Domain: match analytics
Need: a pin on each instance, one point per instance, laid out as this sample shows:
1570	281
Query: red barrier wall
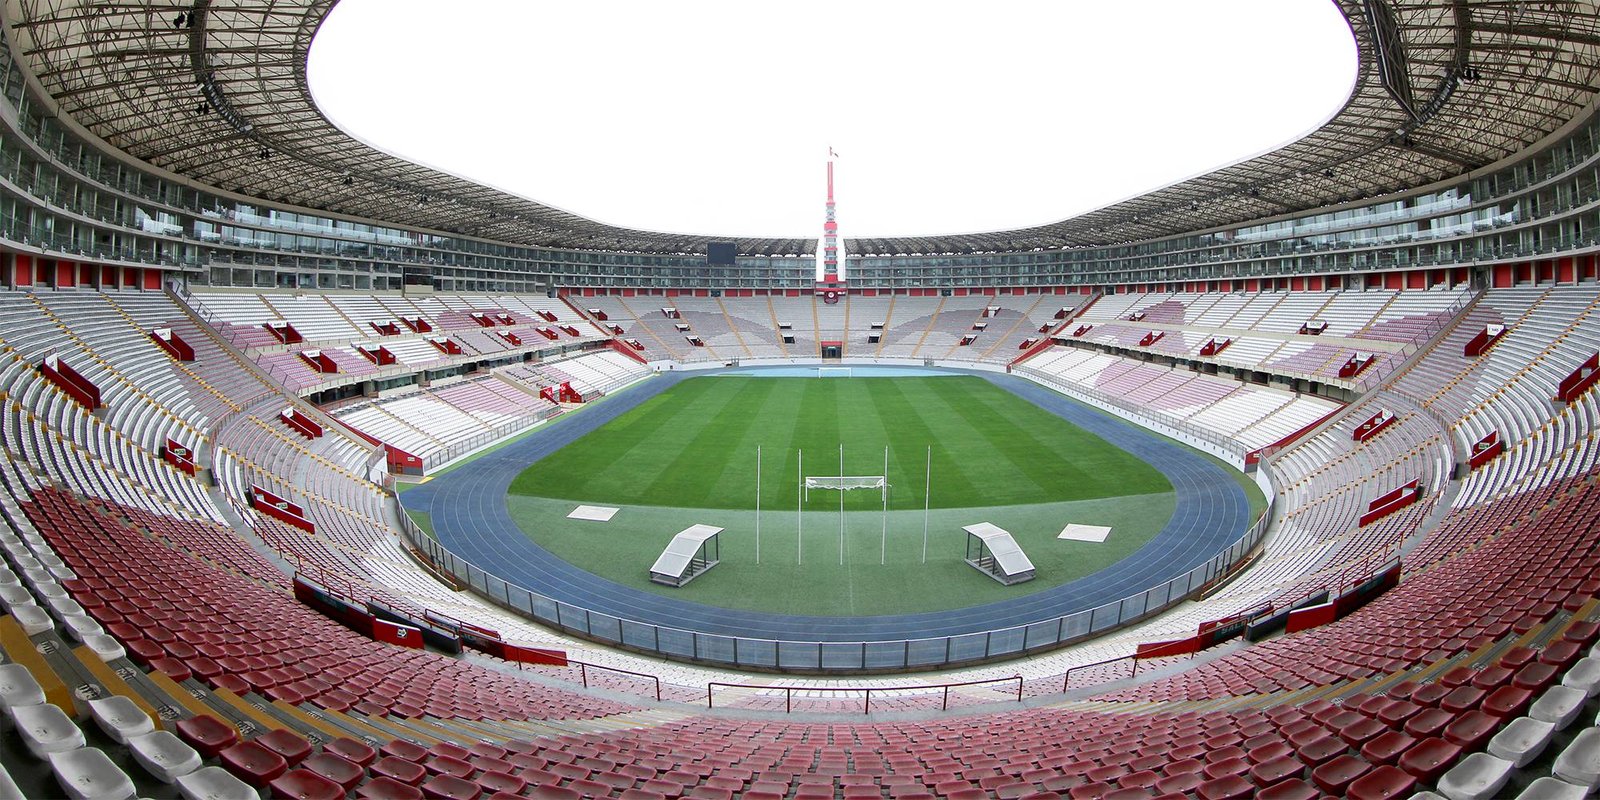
1301	619
392	633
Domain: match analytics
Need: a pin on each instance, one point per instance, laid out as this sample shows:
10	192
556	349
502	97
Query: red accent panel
627	350
1484	450
152	279
24	270
1373	426
511	338
1484	340
1581	379
1314	616
1151	338
108	277
280	509
1355	364
534	655
170	341
1393	501
130	276
320	362
446	345
302	424
1174	647
71	381
1502	277
571	331
65	275
379	354
482	320
178	456
1214	346
283	332
547	332
1416	279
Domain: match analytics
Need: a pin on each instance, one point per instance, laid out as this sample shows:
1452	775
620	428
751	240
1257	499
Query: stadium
328	474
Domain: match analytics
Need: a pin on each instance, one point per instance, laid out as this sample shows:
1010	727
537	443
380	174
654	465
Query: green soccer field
696	447
688	456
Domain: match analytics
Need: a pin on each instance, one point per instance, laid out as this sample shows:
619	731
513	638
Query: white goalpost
833	372
846	483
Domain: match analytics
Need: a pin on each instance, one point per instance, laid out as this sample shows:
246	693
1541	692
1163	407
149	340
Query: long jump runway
469	514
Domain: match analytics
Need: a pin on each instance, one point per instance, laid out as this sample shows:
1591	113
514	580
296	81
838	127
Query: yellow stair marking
180	695
20	648
113	682
262	719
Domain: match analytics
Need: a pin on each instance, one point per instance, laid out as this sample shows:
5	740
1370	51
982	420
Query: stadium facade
1431	549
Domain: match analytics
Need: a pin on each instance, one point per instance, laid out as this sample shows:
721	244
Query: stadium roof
217	92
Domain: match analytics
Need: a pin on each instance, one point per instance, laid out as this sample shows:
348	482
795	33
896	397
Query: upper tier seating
1265	328
336	324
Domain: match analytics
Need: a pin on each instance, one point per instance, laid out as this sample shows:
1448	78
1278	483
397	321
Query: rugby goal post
846	483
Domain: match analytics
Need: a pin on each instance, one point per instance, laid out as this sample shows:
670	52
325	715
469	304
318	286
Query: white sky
712	117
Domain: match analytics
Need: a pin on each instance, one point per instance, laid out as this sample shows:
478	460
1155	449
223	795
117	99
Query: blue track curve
469	514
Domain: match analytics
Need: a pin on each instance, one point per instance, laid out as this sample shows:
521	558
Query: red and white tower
830	231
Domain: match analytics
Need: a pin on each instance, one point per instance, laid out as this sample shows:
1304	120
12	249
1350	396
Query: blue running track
470	517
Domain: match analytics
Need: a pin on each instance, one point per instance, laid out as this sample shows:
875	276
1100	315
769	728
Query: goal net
833	372
846	483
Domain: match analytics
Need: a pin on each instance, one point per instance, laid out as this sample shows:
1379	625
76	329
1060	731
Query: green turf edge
695	445
424	522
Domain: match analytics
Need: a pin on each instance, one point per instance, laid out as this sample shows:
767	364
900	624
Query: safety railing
816	657
920	692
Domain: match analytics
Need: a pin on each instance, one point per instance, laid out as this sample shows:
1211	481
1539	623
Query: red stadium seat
207	734
285	743
336	769
409	773
253	763
300	784
382	788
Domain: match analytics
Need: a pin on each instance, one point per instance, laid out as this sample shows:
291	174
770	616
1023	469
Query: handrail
865	691
1066	677
584	667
